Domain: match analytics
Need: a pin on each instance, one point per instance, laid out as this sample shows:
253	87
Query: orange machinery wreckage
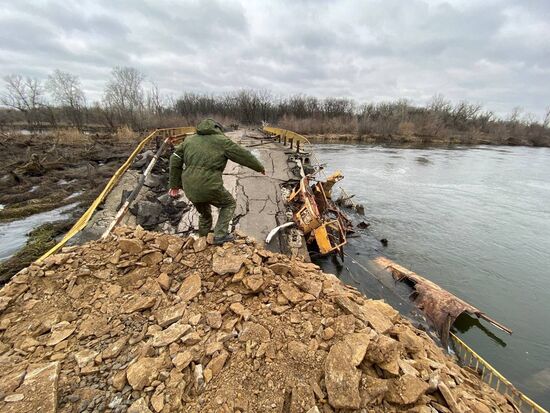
315	213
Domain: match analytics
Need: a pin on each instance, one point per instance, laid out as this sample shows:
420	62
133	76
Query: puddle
13	235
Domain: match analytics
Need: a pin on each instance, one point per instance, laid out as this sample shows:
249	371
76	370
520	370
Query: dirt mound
147	322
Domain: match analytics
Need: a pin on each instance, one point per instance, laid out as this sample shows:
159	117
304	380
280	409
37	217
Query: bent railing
469	358
85	218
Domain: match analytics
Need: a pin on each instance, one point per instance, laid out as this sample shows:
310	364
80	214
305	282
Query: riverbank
46	172
413	141
174	324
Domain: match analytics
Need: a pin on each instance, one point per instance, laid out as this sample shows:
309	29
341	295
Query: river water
14	234
474	220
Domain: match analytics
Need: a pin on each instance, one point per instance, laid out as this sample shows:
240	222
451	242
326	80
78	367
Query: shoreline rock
241	329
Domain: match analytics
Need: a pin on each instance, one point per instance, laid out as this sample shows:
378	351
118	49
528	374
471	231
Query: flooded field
46	180
476	221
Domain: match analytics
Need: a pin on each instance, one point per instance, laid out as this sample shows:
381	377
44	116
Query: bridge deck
260	202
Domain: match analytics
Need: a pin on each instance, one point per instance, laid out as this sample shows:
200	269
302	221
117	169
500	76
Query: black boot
224	239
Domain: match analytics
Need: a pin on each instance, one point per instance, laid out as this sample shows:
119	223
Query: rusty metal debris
440	306
317	216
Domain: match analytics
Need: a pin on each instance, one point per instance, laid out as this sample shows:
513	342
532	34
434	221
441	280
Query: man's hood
208	127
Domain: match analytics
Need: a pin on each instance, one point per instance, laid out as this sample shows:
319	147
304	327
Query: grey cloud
493	52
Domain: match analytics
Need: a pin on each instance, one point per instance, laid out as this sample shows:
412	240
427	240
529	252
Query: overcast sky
493	52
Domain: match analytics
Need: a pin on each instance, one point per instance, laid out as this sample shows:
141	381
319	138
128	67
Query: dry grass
71	136
125	133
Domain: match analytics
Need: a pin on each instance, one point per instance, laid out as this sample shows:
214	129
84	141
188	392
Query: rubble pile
147	322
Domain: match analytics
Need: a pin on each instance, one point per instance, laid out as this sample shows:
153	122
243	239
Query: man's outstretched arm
242	156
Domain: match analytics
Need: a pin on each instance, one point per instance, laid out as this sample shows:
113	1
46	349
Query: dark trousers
226	205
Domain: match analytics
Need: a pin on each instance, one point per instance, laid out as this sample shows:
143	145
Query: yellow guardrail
288	136
85	218
493	378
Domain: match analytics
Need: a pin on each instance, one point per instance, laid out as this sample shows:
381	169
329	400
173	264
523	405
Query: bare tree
24	95
546	120
124	95
68	94
154	100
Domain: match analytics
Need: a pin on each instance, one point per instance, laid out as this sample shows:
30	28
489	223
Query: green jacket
205	156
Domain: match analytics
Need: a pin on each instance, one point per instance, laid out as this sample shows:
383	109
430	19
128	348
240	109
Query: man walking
205	156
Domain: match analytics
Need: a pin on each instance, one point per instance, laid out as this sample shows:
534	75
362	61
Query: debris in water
363	225
440	306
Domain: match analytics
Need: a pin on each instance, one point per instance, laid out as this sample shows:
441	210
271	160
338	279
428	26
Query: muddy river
476	221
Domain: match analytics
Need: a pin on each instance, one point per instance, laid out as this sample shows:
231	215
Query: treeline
128	100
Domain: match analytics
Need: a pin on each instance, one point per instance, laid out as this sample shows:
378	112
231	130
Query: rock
227	261
371	315
153	180
114	349
291	293
406	389
119	380
280	268
373	389
213	347
11	381
83	357
190	287
60	332
175	246
148	214
297	350
157	402
130	245
449	398
152	258
170	334
328	333
168	315
182	360
309	286
384	351
17	397
240	310
38	390
255	332
214	319
139	406
200	244
94	325
216	364
27	344
195	319
341	374
254	283
302	399
144	371
139	302
164	281
191	339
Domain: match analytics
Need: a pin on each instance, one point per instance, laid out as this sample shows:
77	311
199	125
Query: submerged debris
144	322
439	305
